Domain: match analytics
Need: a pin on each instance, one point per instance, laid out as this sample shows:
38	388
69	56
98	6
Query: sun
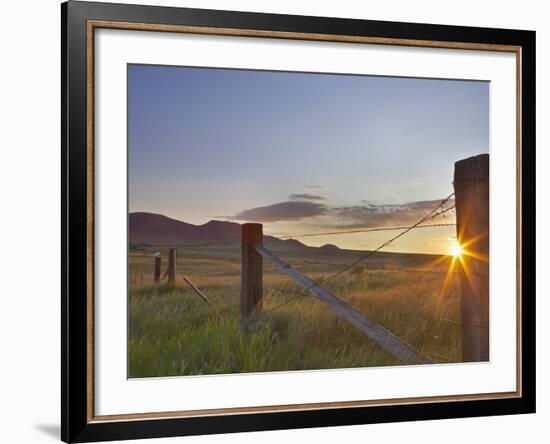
456	249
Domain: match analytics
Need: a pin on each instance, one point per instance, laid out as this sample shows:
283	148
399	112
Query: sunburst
456	249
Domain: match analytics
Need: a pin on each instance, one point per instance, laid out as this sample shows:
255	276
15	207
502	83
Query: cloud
314	187
365	215
291	210
375	215
305	196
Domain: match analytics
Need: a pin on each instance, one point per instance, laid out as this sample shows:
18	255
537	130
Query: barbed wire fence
471	172
288	291
293	295
434	213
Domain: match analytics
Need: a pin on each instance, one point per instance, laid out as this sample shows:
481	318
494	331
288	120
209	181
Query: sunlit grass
172	332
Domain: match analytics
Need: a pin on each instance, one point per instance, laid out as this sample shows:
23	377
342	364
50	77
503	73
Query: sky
302	152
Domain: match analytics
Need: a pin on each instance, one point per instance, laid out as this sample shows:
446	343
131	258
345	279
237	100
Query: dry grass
172	332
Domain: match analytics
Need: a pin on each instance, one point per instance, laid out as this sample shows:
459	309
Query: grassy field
173	332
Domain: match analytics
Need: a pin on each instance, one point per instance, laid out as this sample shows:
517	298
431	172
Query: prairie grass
173	332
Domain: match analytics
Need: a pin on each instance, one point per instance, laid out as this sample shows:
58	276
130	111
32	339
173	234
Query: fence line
434	213
389	241
386	339
431	215
366	230
252	273
374	229
474	298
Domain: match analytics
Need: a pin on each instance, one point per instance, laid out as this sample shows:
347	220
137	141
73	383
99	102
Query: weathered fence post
471	184
158	263
251	270
172	258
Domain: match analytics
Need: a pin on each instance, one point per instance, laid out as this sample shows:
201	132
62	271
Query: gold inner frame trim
97	24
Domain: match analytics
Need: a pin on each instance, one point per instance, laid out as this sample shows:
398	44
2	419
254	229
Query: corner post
471	184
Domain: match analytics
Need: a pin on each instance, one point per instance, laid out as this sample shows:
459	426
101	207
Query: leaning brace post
471	184
251	270
172	257
384	338
158	264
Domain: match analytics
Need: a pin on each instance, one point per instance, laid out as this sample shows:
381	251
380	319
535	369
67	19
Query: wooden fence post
251	270
172	258
471	184
158	263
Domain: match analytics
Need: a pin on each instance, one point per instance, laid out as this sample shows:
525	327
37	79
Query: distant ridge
157	229
146	230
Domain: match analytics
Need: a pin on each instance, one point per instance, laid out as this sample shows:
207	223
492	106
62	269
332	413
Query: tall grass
173	332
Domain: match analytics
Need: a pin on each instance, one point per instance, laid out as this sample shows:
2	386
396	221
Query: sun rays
456	249
462	259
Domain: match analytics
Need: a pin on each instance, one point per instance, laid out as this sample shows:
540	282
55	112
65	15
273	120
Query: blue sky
237	144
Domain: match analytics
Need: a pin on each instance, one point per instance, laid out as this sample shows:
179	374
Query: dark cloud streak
367	215
292	210
374	215
305	196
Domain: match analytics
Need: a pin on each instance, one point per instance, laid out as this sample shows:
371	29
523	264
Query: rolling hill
154	232
156	229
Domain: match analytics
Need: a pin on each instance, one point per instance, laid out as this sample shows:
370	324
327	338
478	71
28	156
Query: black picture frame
76	425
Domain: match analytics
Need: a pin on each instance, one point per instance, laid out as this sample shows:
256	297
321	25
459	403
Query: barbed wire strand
389	241
429	216
432	214
365	230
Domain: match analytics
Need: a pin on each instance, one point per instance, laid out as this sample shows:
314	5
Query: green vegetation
173	332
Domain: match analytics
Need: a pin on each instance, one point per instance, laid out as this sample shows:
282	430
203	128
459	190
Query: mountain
223	239
150	228
156	229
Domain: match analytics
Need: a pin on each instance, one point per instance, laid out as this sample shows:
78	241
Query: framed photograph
275	221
